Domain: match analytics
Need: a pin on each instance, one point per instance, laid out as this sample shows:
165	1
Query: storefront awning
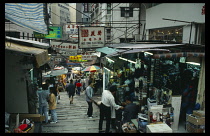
180	54
146	46
41	55
107	50
135	51
34	43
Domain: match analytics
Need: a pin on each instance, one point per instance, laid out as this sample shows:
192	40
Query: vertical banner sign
91	37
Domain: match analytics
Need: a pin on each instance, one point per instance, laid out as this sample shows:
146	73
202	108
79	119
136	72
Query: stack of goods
129	128
158	128
196	122
25	126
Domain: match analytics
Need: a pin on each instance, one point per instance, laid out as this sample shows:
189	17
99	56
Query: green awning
107	50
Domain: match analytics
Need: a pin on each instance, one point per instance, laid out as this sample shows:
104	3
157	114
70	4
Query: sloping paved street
72	118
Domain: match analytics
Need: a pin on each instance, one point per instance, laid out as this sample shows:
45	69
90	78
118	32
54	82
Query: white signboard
72	29
64	46
91	37
67	53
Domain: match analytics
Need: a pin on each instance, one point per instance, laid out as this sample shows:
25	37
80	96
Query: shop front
167	87
22	77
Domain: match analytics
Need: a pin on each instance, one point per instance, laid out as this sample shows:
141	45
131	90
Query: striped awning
29	15
180	54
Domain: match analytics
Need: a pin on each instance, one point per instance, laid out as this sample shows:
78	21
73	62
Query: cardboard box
132	131
199	113
195	120
34	117
192	129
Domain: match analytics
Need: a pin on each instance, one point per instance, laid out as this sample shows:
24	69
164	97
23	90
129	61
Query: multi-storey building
60	15
120	21
180	22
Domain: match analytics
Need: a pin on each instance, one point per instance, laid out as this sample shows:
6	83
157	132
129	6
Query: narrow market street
72	118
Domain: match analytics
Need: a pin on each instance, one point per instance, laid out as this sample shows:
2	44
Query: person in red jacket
78	85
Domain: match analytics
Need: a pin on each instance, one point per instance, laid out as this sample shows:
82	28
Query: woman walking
52	104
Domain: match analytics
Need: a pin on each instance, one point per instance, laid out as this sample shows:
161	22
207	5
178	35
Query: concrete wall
120	32
72	13
178	11
15	89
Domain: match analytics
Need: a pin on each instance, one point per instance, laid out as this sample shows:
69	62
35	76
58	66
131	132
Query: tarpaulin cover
29	15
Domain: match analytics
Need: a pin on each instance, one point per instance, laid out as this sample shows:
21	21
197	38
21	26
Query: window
126	12
153	4
108	31
86	7
167	34
108	8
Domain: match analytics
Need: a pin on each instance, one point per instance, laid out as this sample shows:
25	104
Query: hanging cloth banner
29	15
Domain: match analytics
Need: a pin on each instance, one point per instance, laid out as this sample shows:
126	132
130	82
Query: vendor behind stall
130	110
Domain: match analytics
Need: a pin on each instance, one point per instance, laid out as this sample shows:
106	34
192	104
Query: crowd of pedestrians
48	97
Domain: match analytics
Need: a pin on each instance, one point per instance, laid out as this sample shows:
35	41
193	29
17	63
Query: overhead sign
91	37
78	57
64	46
67	53
55	32
72	29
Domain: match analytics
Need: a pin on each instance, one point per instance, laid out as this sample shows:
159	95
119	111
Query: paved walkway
72	118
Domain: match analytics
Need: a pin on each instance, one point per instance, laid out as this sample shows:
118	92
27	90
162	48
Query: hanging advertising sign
55	32
91	37
64	46
72	29
78	57
67	53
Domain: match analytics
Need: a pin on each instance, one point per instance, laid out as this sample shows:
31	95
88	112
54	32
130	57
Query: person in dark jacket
130	110
71	91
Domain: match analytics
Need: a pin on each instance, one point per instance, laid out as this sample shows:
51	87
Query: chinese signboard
72	29
67	53
64	46
91	37
88	56
55	32
77	58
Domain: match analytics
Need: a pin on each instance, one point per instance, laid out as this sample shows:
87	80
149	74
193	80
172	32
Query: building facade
183	22
120	21
60	16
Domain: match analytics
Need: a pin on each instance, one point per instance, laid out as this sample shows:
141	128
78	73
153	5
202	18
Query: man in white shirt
107	100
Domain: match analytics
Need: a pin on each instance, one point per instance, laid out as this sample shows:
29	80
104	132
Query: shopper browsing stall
130	110
107	100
